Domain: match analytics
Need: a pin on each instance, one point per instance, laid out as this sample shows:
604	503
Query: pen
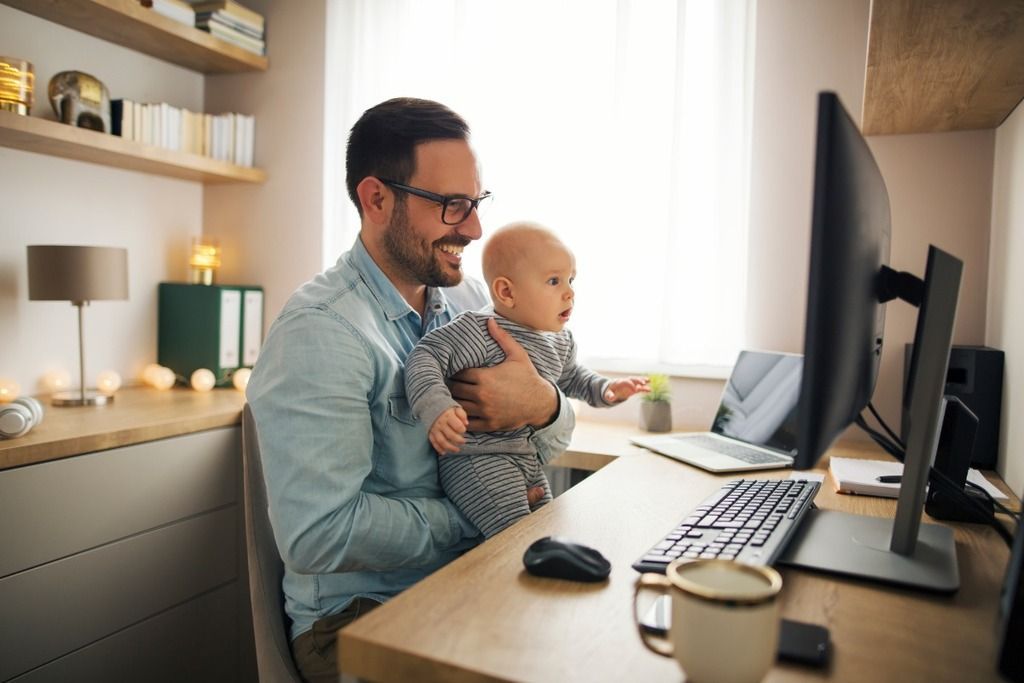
889	479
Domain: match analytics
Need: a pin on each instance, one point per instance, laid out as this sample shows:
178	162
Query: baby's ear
502	291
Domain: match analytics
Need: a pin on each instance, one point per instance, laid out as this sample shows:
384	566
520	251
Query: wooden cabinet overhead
942	65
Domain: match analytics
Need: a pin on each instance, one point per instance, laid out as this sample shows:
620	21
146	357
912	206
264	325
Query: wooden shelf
942	65
33	134
128	23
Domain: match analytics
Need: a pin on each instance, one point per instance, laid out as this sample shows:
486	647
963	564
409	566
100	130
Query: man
357	510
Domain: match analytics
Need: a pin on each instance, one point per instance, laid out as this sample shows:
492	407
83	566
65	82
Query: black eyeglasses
455	208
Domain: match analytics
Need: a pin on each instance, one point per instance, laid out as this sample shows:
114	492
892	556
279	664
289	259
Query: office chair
273	655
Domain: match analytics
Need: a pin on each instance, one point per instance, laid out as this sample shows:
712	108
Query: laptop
756	422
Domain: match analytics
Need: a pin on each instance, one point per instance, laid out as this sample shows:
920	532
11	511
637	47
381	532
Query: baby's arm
620	389
440	354
446	433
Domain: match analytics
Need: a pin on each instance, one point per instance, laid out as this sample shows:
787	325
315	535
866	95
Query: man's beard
415	256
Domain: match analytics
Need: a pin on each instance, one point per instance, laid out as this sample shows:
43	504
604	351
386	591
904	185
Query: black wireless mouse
560	558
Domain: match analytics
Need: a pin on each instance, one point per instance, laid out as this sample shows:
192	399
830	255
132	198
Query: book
178	10
853	475
234	37
122	118
230	7
203	20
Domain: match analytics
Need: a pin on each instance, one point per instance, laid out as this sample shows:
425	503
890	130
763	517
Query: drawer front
193	642
65	605
55	509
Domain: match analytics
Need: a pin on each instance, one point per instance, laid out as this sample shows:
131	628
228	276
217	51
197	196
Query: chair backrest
273	655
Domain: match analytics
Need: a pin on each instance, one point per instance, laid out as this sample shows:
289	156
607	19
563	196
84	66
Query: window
623	126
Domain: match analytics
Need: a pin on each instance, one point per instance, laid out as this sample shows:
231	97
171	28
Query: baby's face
543	287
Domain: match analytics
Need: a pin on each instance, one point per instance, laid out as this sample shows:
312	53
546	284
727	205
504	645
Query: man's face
417	242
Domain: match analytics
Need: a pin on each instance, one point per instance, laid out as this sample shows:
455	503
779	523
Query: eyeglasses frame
441	199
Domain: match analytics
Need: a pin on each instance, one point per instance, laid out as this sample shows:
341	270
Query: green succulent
661	390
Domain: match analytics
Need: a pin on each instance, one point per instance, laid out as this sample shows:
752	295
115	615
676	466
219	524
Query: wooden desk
482	618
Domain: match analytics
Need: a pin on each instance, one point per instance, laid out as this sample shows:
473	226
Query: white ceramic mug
725	619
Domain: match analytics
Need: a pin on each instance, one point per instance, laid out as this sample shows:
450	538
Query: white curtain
623	126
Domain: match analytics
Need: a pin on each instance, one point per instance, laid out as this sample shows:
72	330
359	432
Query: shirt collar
391	302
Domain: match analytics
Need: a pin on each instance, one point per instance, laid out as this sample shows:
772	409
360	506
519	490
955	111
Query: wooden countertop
136	415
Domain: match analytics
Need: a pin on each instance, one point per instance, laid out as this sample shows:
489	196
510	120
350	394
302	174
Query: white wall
940	191
272	234
47	200
1005	328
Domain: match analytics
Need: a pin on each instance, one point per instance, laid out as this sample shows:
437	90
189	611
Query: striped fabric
490	487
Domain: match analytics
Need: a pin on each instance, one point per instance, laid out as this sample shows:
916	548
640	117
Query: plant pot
656	416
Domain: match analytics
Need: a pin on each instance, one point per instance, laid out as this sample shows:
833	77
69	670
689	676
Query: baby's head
530	274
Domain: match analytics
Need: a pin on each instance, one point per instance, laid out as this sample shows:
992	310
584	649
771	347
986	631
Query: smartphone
798	641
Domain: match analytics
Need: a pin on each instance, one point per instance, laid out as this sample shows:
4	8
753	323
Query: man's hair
383	141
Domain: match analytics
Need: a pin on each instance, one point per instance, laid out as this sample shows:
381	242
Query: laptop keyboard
746	520
748	455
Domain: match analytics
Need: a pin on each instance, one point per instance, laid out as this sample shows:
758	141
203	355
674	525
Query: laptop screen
759	404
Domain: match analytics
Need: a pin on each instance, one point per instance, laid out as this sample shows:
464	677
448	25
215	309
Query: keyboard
734	450
747	520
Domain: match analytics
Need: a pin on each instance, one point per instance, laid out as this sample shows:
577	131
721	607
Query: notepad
852	475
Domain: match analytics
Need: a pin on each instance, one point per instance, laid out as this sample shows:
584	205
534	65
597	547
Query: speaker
975	376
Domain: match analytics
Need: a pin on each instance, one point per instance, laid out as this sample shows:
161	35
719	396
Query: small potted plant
656	407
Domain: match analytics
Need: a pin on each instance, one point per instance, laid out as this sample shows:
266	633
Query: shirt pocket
399	409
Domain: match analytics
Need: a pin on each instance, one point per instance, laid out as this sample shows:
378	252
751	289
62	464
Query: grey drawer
59	508
193	642
68	604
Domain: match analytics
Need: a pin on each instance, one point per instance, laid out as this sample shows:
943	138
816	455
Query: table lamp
79	275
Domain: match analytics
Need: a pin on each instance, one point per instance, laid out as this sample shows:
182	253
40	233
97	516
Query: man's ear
373	199
502	292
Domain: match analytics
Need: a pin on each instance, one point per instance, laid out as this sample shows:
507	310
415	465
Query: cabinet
127	23
942	65
126	564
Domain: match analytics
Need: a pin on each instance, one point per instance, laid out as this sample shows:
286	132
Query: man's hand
506	396
446	433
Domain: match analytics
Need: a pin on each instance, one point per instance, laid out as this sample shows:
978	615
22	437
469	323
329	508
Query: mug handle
659	584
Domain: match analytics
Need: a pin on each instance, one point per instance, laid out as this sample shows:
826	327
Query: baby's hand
446	433
621	389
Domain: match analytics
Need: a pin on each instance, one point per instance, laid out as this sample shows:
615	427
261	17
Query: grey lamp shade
72	273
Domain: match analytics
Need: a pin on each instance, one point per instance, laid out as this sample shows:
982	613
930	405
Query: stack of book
226	137
232	22
178	10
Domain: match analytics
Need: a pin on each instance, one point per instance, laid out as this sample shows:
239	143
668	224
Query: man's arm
511	395
310	394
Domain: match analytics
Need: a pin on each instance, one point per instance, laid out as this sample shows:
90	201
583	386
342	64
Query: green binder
218	327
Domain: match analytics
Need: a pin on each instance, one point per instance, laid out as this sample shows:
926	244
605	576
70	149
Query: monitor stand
901	551
859	546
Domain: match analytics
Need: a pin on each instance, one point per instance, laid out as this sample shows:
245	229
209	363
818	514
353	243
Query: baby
530	273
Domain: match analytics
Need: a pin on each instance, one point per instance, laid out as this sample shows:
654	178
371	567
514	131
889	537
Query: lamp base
74	398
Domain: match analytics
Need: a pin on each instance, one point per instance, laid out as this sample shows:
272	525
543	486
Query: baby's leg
489	489
536	477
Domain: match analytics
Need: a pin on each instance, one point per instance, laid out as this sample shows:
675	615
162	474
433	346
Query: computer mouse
560	558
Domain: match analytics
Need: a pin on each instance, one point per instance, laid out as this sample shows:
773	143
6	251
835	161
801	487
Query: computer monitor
848	286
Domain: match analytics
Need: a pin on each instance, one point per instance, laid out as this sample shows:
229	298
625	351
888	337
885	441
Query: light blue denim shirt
355	502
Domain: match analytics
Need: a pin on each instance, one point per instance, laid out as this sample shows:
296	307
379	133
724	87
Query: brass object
80	100
17	85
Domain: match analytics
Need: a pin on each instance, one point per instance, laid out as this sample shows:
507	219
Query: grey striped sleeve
580	382
441	353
